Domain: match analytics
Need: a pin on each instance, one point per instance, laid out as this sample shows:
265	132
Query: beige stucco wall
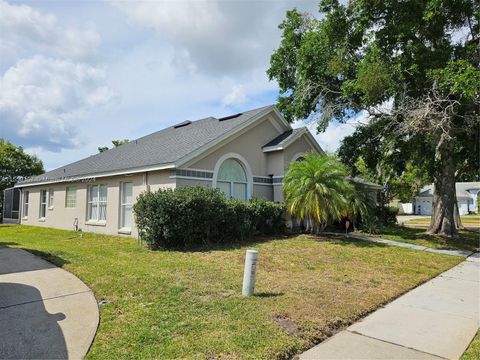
248	145
299	146
63	218
263	191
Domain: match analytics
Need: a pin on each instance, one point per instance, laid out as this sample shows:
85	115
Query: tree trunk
444	197
458	220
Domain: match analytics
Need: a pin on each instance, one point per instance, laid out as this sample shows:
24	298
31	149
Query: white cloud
236	96
26	30
332	137
217	37
41	98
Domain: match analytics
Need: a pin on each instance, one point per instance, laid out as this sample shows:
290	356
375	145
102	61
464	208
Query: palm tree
317	190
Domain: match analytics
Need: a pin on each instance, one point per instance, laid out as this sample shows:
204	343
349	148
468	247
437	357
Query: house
244	155
466	198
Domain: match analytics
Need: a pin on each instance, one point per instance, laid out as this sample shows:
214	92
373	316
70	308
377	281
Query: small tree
317	190
15	165
116	143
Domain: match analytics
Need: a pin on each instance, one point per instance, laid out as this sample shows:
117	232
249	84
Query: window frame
98	203
43	204
123	205
26	204
74	189
231	183
51	198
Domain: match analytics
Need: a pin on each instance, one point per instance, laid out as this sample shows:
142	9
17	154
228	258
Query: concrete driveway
45	312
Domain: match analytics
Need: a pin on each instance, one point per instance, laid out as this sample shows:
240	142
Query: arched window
232	179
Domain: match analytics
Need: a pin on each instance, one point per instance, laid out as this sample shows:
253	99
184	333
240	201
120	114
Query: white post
249	272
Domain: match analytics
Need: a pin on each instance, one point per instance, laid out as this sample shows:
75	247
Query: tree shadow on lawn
51	258
263	239
236	245
343	240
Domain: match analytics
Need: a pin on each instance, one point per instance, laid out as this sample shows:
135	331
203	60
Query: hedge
196	216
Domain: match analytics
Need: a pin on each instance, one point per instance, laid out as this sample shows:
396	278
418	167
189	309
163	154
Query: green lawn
473	351
172	304
467	240
467	220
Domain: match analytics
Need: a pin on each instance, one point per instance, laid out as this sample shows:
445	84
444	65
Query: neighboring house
243	155
467	193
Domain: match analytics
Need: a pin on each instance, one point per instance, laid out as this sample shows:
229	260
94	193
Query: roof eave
95	175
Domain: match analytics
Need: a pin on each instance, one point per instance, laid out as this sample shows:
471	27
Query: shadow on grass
51	258
268	294
250	242
7	244
341	239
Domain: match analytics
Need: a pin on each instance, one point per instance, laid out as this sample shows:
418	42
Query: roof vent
182	124
230	117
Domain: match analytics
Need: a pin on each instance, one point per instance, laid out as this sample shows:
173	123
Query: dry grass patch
188	305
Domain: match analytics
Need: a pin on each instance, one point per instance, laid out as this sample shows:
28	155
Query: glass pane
43	196
93	193
103	193
231	170
71	195
127	216
240	191
224	187
93	211
127	193
102	216
50	200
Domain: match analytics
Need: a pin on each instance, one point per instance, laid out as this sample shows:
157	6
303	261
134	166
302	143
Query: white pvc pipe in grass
249	272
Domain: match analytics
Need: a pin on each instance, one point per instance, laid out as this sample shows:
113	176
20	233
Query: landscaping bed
467	240
187	304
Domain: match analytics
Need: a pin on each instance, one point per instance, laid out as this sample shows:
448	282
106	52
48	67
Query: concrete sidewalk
436	320
406	245
45	312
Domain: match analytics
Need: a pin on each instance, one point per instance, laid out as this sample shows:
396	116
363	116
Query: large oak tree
412	65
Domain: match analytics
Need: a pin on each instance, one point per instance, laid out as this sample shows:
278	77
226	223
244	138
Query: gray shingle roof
283	138
160	148
461	188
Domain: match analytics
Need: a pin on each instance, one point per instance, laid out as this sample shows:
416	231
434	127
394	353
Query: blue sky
75	75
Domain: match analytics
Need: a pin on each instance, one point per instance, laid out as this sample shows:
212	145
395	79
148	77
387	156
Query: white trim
73	179
286	144
313	142
297	155
123	205
309	138
276	125
96	223
193	169
265	184
245	165
190	178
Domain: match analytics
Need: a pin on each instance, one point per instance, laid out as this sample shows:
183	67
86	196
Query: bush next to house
195	216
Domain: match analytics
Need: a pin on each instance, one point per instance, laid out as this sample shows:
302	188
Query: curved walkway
45	311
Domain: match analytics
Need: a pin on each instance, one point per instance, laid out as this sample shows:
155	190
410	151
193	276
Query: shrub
196	216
